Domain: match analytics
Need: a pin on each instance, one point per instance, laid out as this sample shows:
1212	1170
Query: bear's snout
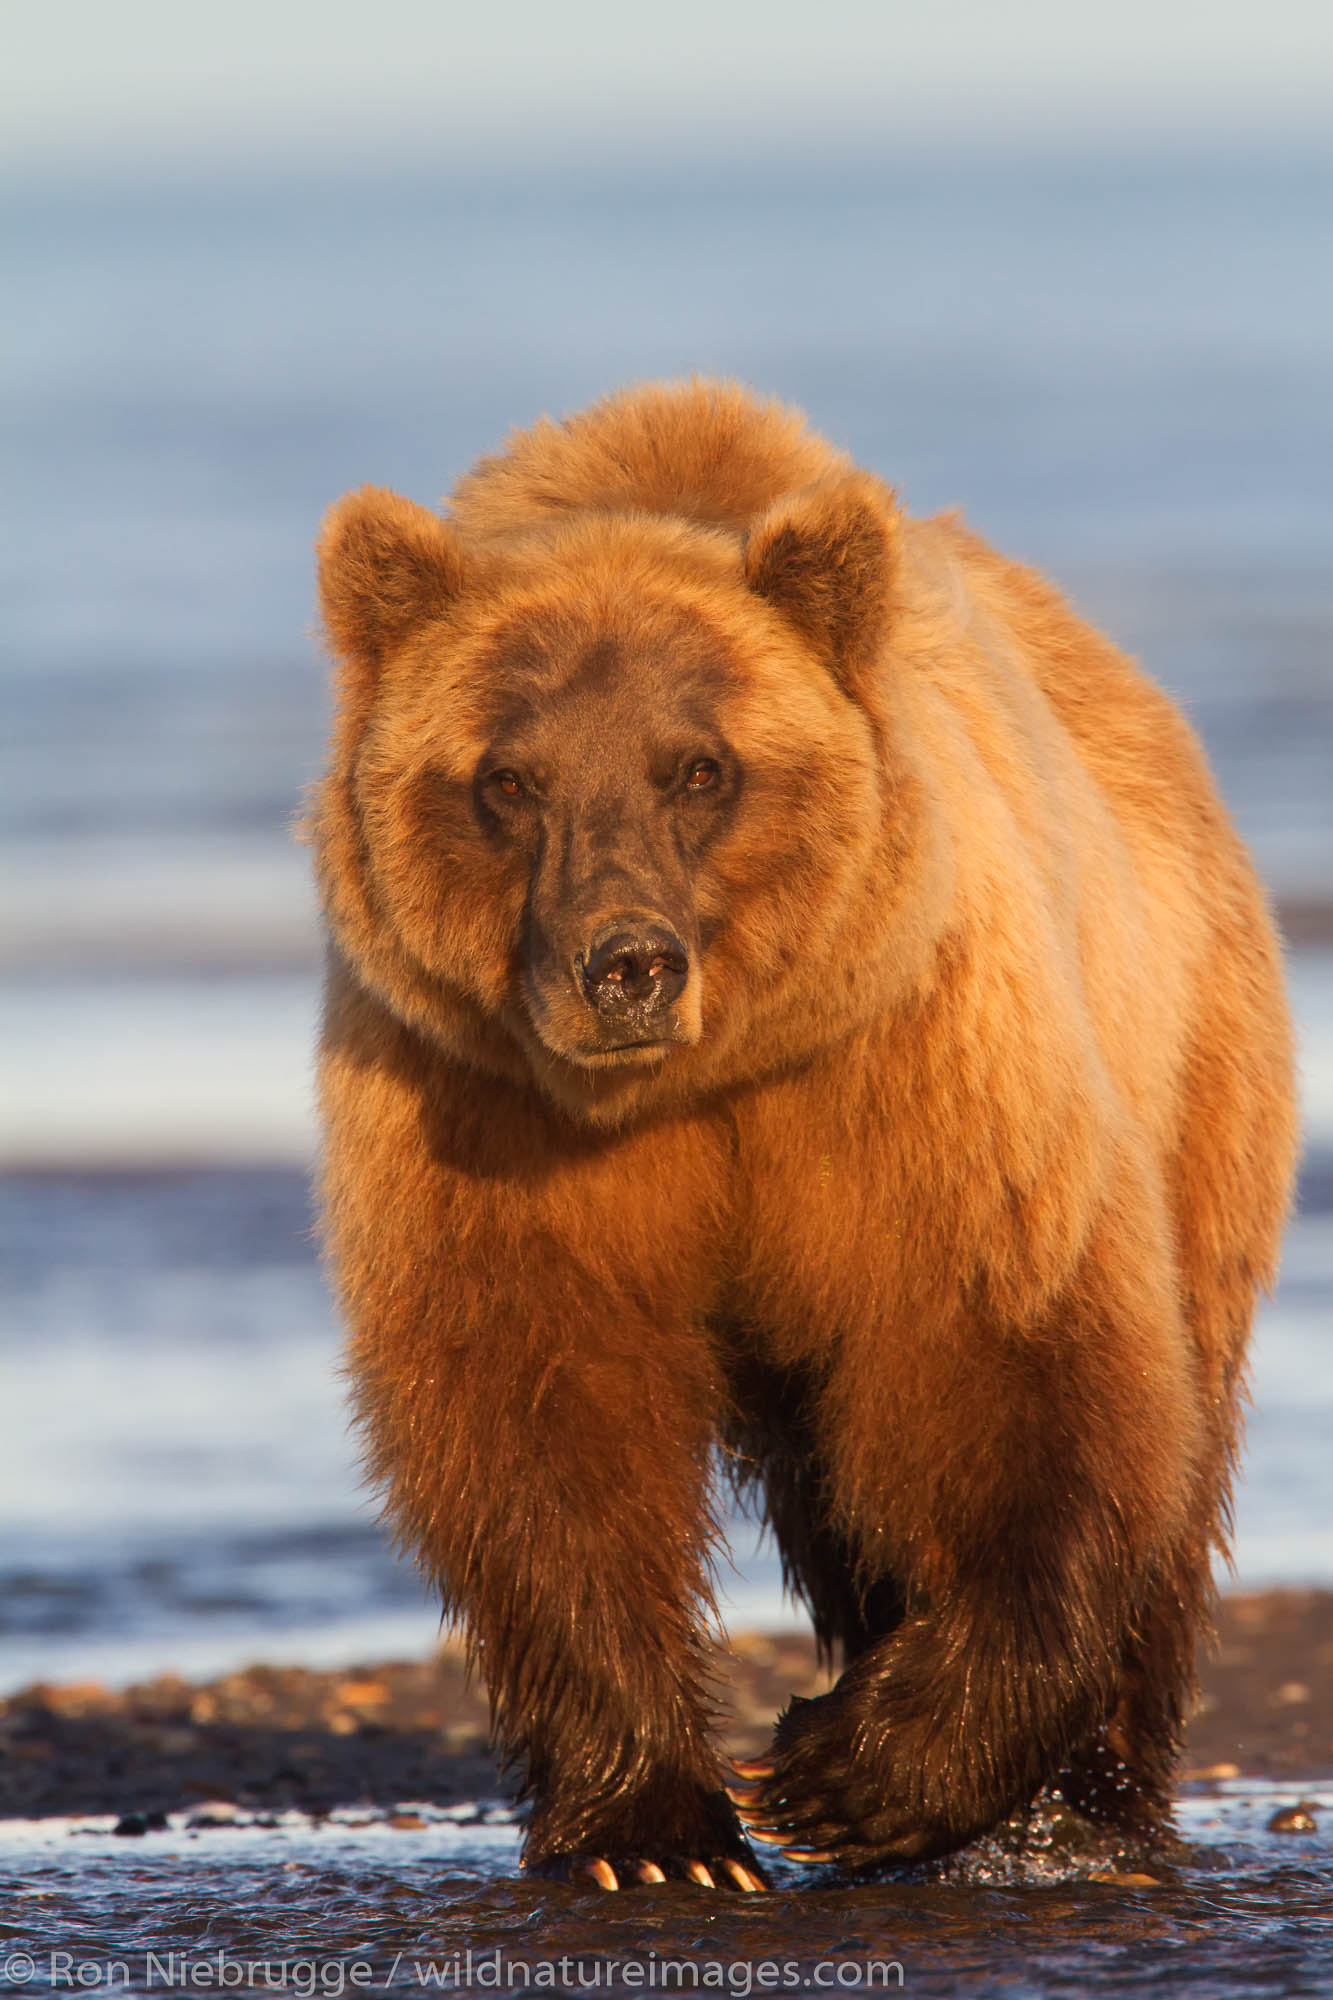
633	970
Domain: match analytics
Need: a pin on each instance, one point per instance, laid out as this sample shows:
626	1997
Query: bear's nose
634	966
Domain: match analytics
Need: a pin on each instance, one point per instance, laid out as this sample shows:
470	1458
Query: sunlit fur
944	1216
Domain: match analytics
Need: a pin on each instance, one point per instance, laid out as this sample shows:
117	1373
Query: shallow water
355	1903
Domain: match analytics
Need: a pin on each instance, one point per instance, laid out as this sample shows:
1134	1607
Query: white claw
743	1878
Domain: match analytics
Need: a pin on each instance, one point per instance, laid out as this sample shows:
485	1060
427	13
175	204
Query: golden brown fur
939	1196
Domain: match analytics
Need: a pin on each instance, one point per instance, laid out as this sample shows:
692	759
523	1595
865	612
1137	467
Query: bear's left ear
825	558
385	566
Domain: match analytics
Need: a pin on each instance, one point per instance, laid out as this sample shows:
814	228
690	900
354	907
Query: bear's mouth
622	1055
568	1029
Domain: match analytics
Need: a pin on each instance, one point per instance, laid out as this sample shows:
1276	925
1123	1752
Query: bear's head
613	804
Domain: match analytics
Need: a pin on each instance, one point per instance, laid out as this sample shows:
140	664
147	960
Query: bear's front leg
1028	1485
539	1402
546	1448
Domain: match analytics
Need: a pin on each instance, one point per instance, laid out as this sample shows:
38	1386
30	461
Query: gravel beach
386	1735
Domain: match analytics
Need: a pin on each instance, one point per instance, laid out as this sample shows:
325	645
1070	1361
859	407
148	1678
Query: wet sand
273	1738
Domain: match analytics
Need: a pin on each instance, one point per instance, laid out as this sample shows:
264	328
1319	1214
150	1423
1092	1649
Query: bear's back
705	452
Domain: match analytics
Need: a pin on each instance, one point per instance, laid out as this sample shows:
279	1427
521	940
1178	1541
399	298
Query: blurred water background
1118	363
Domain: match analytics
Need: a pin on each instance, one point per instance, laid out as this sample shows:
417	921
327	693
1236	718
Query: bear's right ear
385	566
825	558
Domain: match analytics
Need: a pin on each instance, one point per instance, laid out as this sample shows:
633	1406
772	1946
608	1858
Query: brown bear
794	999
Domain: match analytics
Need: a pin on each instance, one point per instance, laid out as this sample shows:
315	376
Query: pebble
362	1693
76	1697
1293	1819
214	1812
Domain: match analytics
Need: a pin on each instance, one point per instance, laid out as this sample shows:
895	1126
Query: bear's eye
702	774
509	783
